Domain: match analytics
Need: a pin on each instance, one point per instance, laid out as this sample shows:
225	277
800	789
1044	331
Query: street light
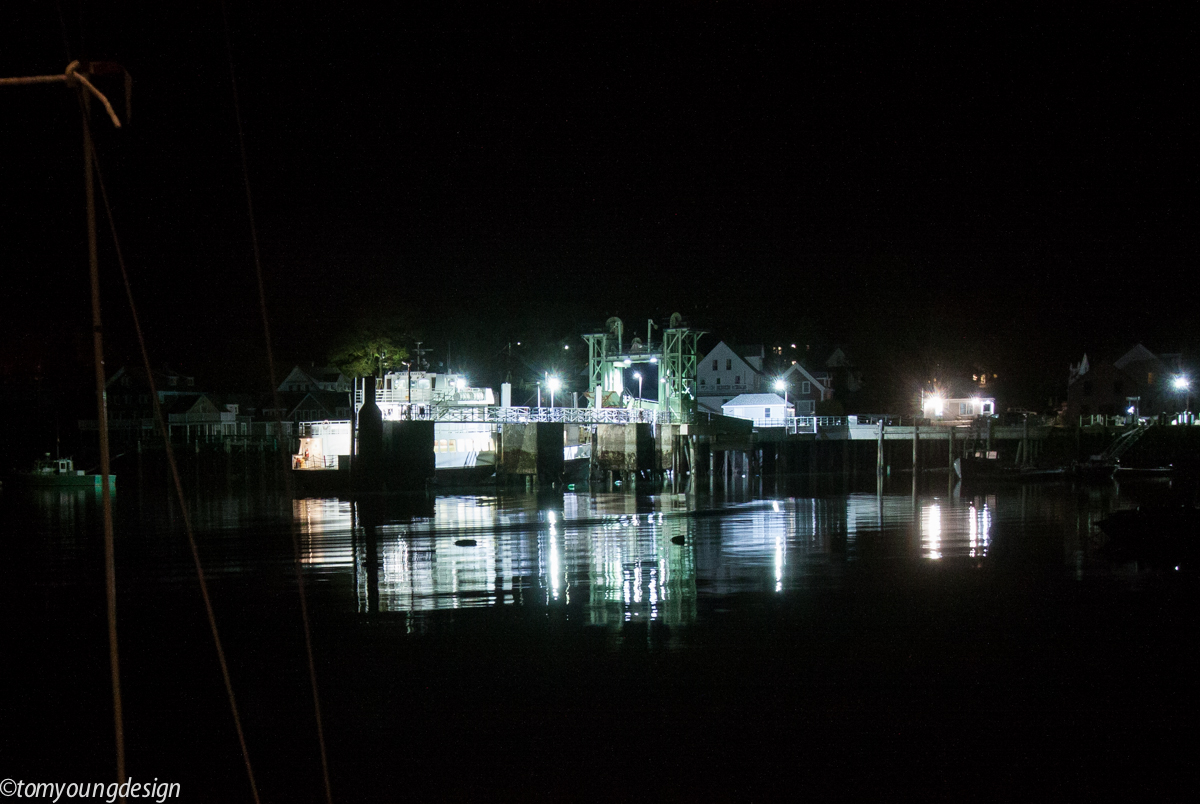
638	374
1182	383
553	384
780	385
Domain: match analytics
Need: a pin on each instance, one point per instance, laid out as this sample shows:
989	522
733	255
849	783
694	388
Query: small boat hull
32	480
991	470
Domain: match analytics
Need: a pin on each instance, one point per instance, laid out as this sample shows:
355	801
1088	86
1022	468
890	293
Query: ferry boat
464	442
60	472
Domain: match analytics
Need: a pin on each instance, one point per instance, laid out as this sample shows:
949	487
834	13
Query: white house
939	408
723	374
765	410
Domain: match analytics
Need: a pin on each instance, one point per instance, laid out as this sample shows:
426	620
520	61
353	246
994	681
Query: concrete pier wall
519	449
627	448
617	448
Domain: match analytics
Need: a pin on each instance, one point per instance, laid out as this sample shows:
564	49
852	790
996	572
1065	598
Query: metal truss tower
681	358
677	357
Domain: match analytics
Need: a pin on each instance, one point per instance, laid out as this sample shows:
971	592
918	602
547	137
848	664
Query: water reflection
614	558
604	558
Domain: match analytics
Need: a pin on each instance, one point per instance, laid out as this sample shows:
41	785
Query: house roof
1138	354
756	400
186	403
725	349
329	401
820	379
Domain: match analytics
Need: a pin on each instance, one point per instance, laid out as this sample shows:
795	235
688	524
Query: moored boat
60	472
984	468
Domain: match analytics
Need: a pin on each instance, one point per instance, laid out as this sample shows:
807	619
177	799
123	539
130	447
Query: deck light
939	403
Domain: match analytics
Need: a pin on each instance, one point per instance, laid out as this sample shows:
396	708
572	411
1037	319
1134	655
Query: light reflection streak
779	563
931	531
555	564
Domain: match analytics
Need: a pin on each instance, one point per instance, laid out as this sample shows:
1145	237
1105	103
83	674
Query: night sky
931	187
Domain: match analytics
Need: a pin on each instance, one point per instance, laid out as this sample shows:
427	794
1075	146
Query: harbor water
786	638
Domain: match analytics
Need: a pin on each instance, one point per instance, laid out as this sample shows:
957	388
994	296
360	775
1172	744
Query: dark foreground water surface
765	642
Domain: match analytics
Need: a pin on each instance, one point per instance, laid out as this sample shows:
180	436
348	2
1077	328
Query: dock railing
492	414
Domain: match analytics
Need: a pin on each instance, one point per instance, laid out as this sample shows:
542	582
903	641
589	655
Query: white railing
797	425
340	427
581	415
493	414
1117	420
424	396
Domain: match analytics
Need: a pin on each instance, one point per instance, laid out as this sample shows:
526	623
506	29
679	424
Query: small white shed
765	410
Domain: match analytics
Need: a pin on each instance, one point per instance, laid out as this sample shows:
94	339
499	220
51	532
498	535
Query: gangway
1123	442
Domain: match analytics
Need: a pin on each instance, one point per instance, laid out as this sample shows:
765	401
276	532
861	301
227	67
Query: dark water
936	643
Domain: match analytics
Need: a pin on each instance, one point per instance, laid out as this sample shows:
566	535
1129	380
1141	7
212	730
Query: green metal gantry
677	357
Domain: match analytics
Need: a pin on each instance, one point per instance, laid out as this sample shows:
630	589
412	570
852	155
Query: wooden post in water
1025	438
879	452
712	466
916	445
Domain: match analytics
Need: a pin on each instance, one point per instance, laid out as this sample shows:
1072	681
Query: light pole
1182	383
638	374
553	384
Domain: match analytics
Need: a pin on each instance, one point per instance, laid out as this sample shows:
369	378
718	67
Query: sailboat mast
75	77
110	584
